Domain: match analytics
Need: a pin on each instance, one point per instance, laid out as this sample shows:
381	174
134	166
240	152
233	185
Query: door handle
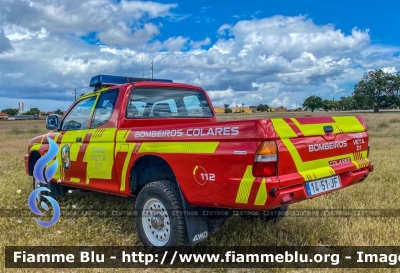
78	139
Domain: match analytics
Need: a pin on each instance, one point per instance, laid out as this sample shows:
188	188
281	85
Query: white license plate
322	185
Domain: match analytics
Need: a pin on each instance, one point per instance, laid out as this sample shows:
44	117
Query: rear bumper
296	193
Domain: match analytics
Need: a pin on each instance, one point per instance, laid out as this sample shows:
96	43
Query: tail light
266	159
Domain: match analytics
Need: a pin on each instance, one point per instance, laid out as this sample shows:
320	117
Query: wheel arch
33	158
149	168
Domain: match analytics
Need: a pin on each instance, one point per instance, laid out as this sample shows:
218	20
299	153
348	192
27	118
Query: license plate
322	185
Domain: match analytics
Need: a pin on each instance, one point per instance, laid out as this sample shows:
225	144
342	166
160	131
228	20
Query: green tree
59	112
227	109
33	111
312	103
335	105
373	87
394	87
10	111
327	105
347	103
262	108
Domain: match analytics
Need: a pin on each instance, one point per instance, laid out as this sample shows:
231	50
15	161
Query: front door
73	142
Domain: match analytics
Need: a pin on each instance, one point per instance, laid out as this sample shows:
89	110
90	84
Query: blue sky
251	52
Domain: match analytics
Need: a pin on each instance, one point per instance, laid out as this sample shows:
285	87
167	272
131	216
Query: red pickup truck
161	142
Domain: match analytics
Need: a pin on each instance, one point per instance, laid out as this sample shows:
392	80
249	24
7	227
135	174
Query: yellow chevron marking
245	186
130	148
179	147
319	168
99	154
121	138
261	197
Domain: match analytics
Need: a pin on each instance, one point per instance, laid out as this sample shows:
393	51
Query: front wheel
56	191
159	219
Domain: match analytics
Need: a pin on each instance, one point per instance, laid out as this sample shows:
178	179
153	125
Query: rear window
159	103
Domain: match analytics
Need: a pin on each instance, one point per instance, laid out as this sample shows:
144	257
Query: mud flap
196	224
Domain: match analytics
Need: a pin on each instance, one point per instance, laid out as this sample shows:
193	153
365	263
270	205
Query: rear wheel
159	219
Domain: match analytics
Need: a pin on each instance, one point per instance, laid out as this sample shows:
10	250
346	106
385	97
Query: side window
135	109
78	117
165	108
104	108
165	102
193	105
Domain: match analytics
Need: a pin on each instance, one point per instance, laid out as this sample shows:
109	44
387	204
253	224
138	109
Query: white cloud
137	9
122	35
5	44
389	70
198	44
277	60
175	43
112	21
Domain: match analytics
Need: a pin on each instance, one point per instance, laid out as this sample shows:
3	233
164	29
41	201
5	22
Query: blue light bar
107	80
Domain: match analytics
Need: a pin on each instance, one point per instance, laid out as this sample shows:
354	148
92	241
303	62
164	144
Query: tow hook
371	168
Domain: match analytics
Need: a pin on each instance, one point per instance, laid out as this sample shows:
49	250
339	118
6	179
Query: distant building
253	108
20	107
281	109
241	110
3	116
219	110
22	117
272	109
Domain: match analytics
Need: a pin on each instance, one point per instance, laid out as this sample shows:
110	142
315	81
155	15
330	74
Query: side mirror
52	122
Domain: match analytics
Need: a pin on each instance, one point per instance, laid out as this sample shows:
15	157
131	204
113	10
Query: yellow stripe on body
318	168
282	128
120	140
344	124
245	186
122	146
69	138
261	197
99	154
179	147
129	149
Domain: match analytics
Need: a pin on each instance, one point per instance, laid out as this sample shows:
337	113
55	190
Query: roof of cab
144	84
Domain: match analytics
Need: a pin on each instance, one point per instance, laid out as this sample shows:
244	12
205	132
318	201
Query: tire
159	220
269	216
56	191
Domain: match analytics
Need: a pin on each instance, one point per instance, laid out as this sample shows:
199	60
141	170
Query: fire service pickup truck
160	142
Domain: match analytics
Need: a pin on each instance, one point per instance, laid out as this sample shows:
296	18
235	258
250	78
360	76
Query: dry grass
379	191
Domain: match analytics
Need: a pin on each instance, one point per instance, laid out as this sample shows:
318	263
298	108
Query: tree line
33	111
377	89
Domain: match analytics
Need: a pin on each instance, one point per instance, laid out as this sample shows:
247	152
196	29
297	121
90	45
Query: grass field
380	191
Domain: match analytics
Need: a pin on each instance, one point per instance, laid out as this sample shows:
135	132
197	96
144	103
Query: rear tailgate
311	148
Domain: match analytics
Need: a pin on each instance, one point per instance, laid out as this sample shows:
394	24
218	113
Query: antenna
142	61
152	70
